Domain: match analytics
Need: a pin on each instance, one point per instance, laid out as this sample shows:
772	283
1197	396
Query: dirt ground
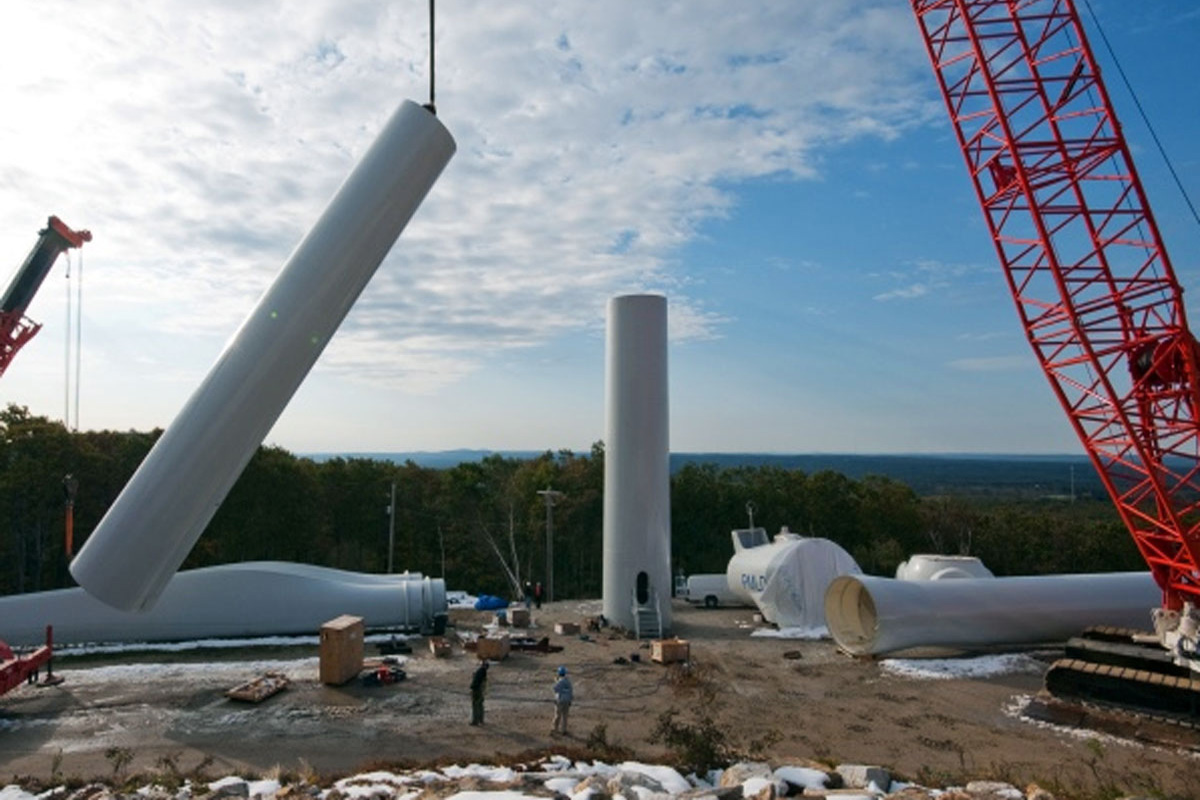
814	705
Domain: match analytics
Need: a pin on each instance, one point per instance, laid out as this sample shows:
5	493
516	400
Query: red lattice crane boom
1092	282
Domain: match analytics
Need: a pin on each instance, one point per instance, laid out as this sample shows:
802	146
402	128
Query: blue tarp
488	602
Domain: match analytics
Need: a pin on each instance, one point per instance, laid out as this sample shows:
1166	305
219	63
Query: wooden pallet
259	689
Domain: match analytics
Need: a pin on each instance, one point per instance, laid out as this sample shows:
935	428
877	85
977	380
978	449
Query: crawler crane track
1106	667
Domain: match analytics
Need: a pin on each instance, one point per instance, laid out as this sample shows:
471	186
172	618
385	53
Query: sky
784	172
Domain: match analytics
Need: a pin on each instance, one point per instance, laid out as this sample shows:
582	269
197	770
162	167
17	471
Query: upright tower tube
152	525
637	503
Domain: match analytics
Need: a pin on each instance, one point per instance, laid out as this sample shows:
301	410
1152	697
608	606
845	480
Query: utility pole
442	547
550	495
391	528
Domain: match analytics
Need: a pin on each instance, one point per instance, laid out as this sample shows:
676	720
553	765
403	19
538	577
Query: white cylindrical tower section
151	527
637	480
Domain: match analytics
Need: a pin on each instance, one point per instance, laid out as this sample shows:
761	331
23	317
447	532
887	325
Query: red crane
16	669
1093	285
15	328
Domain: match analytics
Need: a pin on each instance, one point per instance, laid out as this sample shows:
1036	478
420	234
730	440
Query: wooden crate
439	647
341	649
669	651
493	649
519	617
566	628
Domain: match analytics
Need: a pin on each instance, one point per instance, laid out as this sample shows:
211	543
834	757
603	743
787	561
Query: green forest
482	525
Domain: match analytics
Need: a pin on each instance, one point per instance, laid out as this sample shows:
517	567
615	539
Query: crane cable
1141	111
78	336
432	106
74	323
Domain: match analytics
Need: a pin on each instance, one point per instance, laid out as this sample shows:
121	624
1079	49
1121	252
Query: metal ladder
647	618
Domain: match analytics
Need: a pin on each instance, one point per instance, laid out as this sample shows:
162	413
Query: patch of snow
752	786
590	608
367	791
219	673
596	768
951	668
1019	703
14	792
811	634
802	776
228	780
460	599
481	771
505	795
556	764
264	787
379	776
562	785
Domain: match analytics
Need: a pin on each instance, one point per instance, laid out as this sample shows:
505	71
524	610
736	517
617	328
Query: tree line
482	525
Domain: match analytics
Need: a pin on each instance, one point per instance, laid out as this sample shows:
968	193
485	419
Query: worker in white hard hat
564	693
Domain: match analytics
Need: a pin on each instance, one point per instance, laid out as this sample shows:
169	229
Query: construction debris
260	688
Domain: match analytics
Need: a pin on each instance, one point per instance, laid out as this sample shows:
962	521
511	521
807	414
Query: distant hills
925	473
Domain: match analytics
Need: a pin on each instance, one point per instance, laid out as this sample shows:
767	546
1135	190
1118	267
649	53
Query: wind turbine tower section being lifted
151	527
637	502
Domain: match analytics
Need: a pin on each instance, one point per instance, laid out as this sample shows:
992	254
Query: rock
913	793
994	790
712	793
595	786
623	782
739	773
861	776
797	779
1035	792
92	791
766	789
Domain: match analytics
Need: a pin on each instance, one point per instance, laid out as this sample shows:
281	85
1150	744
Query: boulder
861	776
994	790
739	773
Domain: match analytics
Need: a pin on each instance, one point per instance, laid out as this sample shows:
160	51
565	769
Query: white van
709	591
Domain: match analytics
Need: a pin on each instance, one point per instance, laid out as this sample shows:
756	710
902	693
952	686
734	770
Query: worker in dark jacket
478	688
564	693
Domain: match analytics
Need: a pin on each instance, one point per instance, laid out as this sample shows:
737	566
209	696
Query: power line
1141	111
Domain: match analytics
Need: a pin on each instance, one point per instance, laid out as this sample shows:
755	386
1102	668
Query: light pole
391	527
550	495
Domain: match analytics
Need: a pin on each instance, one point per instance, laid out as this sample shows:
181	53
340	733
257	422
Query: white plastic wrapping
786	578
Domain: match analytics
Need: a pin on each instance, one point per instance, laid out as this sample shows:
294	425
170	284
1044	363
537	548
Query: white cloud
925	276
905	292
199	144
